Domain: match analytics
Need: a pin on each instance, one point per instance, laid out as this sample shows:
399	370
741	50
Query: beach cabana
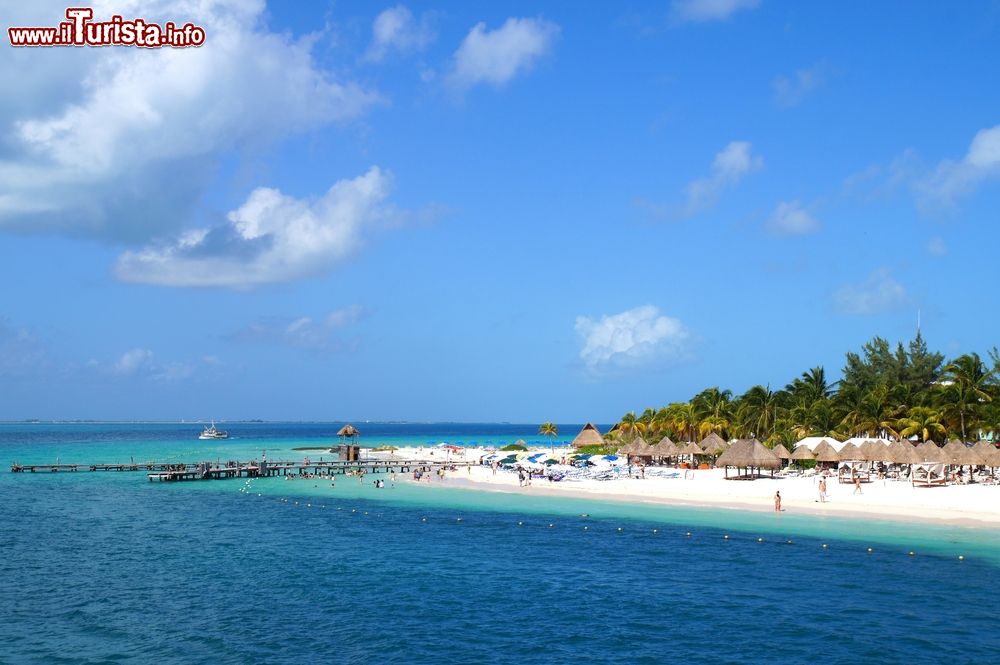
928	451
824	452
802	453
749	454
691	449
588	436
782	452
928	474
665	448
812	441
713	444
850	453
637	447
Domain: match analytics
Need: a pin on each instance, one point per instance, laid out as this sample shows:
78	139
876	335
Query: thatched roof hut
956	452
637	446
928	451
713	444
824	452
349	431
692	449
850	453
984	447
802	452
874	451
588	436
665	448
749	454
992	458
902	452
782	452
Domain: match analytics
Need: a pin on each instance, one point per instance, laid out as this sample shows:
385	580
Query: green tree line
896	392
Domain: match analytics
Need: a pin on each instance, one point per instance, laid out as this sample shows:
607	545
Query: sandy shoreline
973	505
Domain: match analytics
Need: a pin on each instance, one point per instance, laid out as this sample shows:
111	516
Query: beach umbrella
928	451
901	452
958	453
691	449
713	444
850	453
877	452
749	454
802	453
665	448
824	452
588	436
984	448
781	451
992	458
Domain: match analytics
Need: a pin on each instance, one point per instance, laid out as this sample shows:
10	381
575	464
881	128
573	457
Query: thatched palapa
824	452
349	431
850	453
691	449
928	451
901	452
665	448
713	444
748	454
637	446
802	452
588	436
958	453
782	452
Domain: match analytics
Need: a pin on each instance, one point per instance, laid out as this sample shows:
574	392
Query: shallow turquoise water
103	567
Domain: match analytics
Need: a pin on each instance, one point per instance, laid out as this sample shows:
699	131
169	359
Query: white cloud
879	293
632	338
952	180
791	91
697	11
730	166
305	332
497	56
396	29
134	360
272	237
937	247
790	218
22	353
126	152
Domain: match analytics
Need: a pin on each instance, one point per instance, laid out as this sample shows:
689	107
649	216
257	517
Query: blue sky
488	211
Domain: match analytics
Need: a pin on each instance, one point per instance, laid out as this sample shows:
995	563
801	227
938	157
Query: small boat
212	433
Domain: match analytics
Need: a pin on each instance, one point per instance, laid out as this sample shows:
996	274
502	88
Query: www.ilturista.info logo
81	30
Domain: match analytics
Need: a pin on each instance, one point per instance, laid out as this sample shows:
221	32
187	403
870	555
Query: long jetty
174	471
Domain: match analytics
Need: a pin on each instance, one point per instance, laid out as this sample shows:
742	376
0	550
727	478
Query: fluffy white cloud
879	293
133	360
730	166
791	91
952	180
126	152
629	339
937	247
790	218
305	332
708	10
396	29
272	237
497	56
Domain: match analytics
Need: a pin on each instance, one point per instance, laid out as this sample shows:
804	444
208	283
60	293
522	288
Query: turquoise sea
108	567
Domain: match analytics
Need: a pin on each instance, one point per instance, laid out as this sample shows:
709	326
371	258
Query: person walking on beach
777	502
822	490
857	485
520	477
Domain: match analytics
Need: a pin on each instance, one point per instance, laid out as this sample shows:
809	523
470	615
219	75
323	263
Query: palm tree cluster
900	393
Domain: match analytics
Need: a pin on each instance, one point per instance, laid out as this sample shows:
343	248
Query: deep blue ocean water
107	567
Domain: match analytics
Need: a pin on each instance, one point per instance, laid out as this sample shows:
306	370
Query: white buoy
869	550
961	557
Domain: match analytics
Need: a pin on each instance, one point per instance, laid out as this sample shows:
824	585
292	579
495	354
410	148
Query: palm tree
684	418
630	426
968	390
922	421
874	412
812	385
760	408
549	429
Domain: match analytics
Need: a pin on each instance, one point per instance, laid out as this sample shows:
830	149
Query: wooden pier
254	469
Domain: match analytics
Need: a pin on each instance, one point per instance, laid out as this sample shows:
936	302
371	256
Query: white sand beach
973	505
